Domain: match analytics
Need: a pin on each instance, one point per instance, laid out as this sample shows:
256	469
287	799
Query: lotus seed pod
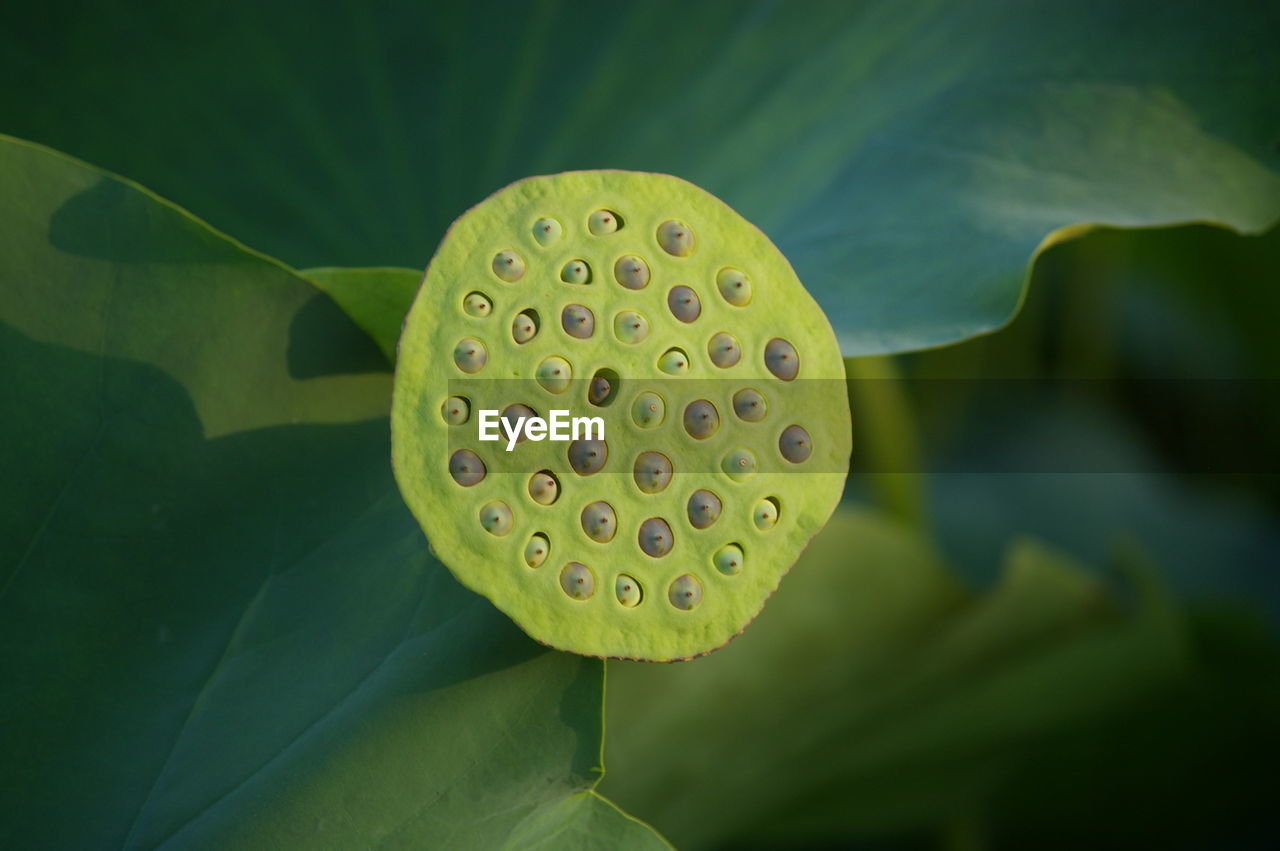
455	410
523	328
703	509
652	472
546	231
544	487
576	272
602	222
674	362
684	303
600	522
729	559
508	265
554	374
470	355
587	457
512	416
723	349
765	515
630	327
685	592
477	304
781	359
734	286
466	468
652	537
648	410
655	537
577	581
628	591
676	238
578	321
496	518
795	444
631	272
701	419
537	550
750	406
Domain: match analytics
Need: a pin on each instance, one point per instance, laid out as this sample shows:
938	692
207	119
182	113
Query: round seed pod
630	327
524	327
477	304
724	350
466	468
603	222
701	419
576	272
666	580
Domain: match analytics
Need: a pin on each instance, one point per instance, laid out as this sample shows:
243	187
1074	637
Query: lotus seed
652	471
523	328
509	266
794	444
701	419
577	580
674	362
628	591
655	537
734	286
455	410
750	405
704	509
602	222
676	238
536	551
728	559
576	272
738	464
686	592
587	457
477	304
765	515
684	303
630	327
496	518
546	231
554	374
781	359
470	355
578	321
631	272
648	410
600	522
466	468
603	388
512	414
544	487
723	349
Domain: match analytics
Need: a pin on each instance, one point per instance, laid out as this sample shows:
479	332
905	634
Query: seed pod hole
703	509
655	537
676	238
628	591
729	559
537	550
781	359
477	304
604	388
734	286
515	417
577	580
750	405
701	419
795	444
630	327
674	362
525	326
496	518
587	457
578	321
648	410
466	468
765	514
652	472
455	410
604	222
724	350
576	272
738	464
470	355
546	231
600	522
508	265
685	592
684	303
632	272
554	374
544	487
